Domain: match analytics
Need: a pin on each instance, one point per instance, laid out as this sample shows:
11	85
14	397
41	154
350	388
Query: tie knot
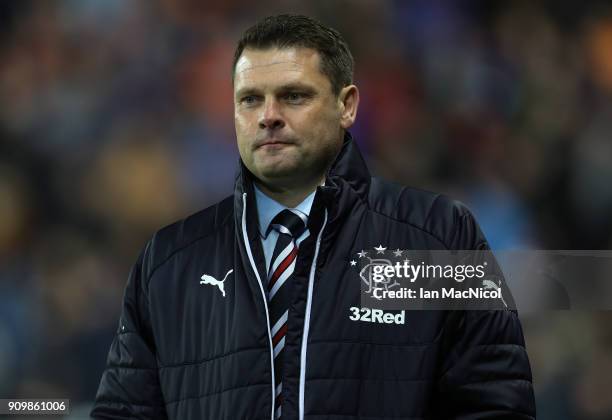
289	223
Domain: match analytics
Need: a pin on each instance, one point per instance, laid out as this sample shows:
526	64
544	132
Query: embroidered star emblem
380	249
362	253
353	262
398	252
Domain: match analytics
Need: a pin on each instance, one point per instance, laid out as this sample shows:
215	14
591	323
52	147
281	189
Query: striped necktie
290	227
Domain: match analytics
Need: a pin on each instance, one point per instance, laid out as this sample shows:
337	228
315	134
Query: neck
289	197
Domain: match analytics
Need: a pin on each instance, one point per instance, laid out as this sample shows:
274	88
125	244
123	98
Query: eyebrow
281	89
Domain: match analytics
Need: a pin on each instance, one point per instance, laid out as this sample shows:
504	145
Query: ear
348	99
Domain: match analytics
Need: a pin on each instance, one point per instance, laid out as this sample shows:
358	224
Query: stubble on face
286	116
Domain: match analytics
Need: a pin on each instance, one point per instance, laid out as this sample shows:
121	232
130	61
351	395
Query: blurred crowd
116	118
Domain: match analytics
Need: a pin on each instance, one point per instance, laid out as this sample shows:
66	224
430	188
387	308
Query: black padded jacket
185	350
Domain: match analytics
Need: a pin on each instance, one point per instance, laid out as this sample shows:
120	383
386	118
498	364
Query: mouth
271	143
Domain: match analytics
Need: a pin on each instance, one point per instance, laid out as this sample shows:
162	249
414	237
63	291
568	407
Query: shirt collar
267	209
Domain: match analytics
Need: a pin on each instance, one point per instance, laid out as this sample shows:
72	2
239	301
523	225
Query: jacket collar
350	168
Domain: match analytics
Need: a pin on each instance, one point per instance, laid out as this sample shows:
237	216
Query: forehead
278	66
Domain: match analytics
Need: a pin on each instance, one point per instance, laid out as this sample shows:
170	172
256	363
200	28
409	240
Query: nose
271	117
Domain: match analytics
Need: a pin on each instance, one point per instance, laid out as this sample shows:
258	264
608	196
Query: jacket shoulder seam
421	228
411	224
181	248
433	204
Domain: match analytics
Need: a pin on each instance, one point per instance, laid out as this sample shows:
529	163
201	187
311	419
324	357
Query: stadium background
116	119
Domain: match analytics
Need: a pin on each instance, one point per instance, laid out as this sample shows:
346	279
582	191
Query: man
243	310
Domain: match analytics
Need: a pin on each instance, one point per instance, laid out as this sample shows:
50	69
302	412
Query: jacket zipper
263	295
307	321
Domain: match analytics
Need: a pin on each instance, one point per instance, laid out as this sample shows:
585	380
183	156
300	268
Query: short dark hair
286	31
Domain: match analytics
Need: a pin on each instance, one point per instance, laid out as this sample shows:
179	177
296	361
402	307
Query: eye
295	97
248	100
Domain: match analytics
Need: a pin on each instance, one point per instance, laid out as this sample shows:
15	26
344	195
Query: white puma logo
488	284
206	279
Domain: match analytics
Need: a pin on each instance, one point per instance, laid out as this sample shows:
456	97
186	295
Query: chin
278	173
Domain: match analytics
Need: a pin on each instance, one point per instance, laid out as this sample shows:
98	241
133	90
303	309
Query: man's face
288	121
